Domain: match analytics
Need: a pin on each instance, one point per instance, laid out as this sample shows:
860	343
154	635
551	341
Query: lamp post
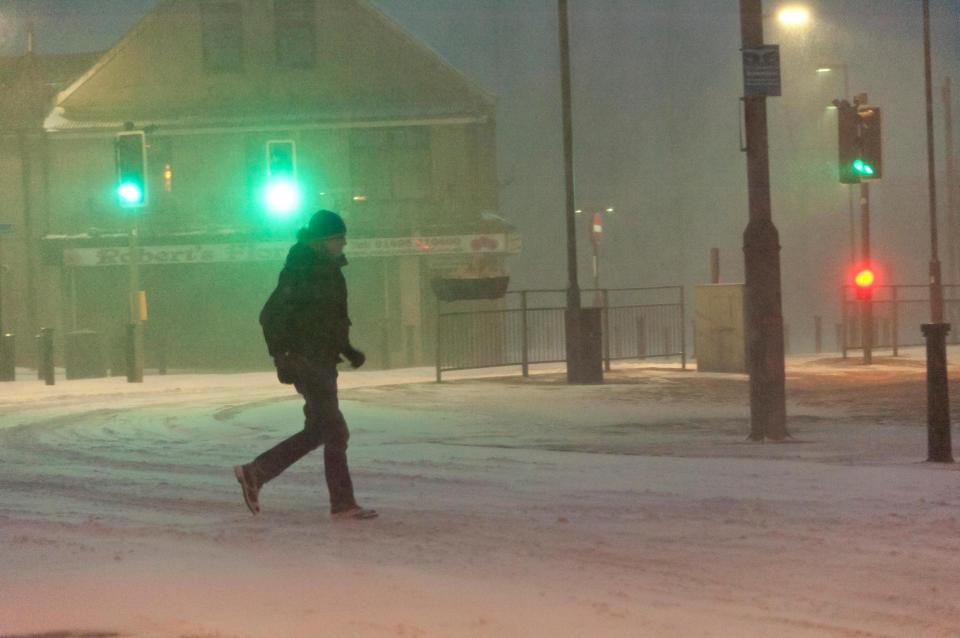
939	447
583	340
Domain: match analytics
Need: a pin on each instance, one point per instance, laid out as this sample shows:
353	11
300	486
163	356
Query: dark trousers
324	426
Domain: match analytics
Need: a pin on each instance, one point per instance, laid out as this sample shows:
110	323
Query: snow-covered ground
509	507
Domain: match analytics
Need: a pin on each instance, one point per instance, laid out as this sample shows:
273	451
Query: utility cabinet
719	334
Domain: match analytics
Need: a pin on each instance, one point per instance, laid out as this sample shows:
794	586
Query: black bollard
7	358
134	356
45	370
939	447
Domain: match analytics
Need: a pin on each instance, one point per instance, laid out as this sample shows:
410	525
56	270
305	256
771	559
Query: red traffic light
864	282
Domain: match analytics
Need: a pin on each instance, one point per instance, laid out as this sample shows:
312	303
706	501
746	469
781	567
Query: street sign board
596	228
761	71
6	229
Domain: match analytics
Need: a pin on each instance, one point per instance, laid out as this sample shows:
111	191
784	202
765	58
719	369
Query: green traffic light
862	168
130	193
282	198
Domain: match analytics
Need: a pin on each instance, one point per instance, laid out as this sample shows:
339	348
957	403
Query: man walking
307	329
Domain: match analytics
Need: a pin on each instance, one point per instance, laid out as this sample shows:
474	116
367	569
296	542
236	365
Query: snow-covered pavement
508	508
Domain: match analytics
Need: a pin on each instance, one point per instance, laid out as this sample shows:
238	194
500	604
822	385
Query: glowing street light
793	16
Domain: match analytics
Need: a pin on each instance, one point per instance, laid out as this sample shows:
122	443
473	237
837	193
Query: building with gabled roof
381	129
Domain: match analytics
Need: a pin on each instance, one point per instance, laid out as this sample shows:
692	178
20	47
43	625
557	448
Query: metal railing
637	323
898	312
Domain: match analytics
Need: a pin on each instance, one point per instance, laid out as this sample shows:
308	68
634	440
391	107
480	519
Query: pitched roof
367	69
29	82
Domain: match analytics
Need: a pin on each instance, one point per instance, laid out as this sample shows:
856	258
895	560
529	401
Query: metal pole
683	331
953	200
895	328
135	342
1	287
714	265
439	351
605	309
818	334
582	327
761	248
939	448
573	285
524	338
866	306
845	319
851	215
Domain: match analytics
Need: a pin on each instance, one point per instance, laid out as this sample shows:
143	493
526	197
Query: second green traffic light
130	151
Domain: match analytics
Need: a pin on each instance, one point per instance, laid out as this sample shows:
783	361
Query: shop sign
277	251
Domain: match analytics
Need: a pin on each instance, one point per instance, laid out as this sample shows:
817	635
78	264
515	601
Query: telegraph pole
939	447
761	249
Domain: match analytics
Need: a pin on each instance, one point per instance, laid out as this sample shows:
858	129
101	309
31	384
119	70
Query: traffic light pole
939	446
134	338
866	305
761	250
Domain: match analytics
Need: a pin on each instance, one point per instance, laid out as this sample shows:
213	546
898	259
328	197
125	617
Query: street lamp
793	16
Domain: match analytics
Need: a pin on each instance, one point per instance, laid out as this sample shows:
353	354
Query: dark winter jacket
306	315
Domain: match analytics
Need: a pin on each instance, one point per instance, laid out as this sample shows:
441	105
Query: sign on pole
761	71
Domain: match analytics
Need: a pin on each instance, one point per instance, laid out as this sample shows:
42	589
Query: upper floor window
222	24
294	29
391	164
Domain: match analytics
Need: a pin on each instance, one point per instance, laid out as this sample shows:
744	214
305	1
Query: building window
294	26
222	24
391	164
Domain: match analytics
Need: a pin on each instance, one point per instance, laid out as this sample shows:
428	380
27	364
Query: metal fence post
845	319
895	329
524	339
439	344
683	325
606	329
818	334
641	338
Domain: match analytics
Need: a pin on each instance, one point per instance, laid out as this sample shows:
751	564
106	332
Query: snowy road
508	508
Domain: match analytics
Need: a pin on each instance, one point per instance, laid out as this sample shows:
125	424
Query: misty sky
656	123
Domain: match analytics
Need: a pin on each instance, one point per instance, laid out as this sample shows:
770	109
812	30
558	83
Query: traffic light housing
848	141
859	143
871	144
864	281
130	152
282	195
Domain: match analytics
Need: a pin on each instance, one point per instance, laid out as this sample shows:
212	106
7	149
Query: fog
656	89
655	102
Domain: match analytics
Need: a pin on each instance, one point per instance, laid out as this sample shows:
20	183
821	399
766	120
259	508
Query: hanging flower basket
458	289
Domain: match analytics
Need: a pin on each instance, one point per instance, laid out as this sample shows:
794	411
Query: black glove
354	356
287	368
